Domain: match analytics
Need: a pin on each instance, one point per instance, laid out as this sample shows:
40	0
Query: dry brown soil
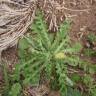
82	13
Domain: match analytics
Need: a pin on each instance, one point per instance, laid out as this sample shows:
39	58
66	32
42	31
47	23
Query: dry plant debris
17	15
14	21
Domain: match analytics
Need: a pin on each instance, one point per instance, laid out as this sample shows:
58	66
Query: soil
82	14
10	57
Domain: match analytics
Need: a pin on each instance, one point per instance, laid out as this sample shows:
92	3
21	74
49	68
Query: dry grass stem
15	16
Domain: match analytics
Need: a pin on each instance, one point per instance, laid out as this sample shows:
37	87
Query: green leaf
73	61
69	81
92	37
23	44
73	92
89	52
15	90
64	28
75	48
39	27
87	79
75	77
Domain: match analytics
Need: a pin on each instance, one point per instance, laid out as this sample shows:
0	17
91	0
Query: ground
82	14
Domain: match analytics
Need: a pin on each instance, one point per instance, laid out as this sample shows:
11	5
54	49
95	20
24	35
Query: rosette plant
47	54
